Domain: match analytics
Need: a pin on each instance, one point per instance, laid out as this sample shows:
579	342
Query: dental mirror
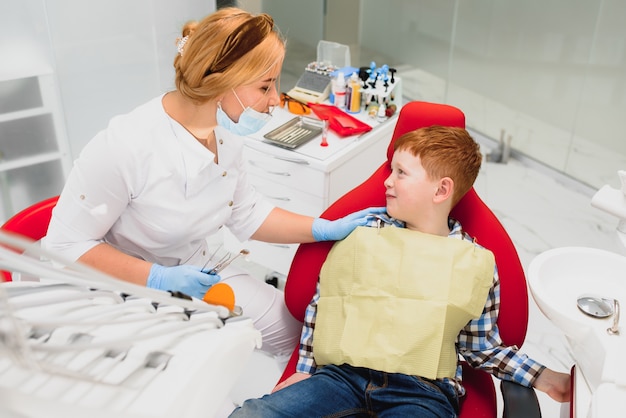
595	306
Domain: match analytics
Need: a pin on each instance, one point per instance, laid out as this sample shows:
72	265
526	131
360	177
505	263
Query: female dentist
147	191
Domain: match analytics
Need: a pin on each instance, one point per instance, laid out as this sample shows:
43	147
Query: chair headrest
415	115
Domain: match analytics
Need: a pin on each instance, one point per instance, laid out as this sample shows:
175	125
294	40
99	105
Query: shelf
23	114
28	161
35	155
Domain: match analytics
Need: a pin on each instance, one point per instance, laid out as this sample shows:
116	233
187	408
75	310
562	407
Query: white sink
557	278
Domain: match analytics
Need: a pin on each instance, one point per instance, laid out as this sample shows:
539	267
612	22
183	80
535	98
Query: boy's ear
445	189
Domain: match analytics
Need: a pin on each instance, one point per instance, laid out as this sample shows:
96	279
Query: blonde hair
445	152
225	50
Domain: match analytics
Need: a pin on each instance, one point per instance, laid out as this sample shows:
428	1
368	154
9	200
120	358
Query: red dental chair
479	221
31	222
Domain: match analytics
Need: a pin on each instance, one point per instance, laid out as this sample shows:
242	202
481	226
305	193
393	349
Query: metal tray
294	133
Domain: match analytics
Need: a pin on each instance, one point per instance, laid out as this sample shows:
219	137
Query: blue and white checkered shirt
479	342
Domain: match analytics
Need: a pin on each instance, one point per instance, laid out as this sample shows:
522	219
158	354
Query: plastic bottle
339	91
354	86
381	116
372	110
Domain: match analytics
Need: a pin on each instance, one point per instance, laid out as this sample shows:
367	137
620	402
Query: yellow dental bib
394	300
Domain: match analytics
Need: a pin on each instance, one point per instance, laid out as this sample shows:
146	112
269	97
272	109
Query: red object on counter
339	121
325	134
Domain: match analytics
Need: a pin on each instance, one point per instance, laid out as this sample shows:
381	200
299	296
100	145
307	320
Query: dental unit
79	343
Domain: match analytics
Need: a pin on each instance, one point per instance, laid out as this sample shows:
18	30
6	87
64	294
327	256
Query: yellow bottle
355	94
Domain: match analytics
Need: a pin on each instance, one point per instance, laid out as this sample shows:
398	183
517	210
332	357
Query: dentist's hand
325	230
189	280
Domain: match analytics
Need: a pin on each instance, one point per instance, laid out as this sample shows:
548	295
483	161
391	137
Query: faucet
502	152
614	329
613	201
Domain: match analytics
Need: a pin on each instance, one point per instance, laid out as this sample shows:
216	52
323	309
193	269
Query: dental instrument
212	255
226	260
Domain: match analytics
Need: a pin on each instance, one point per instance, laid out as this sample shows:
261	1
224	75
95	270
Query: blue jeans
346	391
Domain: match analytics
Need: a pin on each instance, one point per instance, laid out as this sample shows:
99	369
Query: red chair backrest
477	219
481	223
31	222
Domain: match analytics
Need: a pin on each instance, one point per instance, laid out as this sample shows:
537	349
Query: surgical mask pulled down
250	120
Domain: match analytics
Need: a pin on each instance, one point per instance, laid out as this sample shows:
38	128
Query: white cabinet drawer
276	257
289	198
292	173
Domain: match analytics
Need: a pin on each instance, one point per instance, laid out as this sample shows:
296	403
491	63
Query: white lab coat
146	186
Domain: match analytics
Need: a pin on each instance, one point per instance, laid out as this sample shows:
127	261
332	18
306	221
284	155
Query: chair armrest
519	401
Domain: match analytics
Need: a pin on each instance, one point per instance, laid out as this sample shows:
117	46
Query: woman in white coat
146	192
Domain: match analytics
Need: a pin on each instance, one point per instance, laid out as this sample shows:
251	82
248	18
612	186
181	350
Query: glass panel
19	94
521	80
416	41
549	75
598	148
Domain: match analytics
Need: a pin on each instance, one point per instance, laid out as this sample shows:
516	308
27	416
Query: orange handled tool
220	294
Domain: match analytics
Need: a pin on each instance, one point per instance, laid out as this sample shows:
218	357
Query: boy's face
410	191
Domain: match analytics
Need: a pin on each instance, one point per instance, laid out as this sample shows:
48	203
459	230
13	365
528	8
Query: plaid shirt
479	342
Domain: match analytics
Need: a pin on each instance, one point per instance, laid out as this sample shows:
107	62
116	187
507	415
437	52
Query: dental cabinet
34	154
308	179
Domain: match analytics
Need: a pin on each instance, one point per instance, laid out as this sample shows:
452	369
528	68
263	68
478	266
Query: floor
541	211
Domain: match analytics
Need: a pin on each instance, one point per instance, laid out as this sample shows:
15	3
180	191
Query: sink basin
557	278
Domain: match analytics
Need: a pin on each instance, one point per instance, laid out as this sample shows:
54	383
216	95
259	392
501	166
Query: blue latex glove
325	230
190	280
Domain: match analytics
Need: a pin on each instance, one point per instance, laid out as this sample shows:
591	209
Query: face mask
250	121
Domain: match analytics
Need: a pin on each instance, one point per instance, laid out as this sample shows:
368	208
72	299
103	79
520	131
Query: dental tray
294	133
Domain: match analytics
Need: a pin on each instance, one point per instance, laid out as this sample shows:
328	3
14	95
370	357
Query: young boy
396	304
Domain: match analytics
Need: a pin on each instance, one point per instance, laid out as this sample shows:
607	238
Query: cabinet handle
284	199
280	245
276	173
300	161
292	160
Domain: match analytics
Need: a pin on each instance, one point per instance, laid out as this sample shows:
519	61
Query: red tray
338	120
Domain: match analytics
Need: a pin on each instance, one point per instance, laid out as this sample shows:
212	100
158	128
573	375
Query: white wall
112	56
96	59
107	57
